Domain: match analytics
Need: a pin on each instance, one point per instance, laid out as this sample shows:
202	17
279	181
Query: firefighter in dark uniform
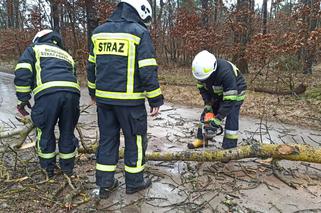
122	72
48	71
222	87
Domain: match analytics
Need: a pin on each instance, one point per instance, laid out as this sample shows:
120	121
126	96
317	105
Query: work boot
197	143
131	190
104	192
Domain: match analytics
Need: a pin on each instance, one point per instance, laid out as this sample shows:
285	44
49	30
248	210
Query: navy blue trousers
61	107
132	120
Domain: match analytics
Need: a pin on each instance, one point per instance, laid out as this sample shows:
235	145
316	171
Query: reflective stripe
154	93
56	84
147	62
120	95
134	169
217	89
231	134
24	66
23	89
241	98
139	151
235	69
39	152
230	98
91	85
131	67
230	92
38	67
105	168
92	59
67	155
199	86
127	36
48	51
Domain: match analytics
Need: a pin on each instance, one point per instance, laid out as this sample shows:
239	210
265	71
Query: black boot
104	192
131	190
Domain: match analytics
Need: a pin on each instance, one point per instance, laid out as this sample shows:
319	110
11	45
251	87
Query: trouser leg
231	127
133	121
45	119
107	152
68	119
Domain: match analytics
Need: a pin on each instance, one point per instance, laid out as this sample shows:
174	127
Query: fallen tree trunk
279	152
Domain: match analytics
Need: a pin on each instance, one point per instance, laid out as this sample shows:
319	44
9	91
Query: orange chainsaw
208	130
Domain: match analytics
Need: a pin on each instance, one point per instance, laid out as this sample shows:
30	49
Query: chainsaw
209	131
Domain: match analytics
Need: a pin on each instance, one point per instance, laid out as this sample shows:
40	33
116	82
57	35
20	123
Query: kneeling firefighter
222	88
48	71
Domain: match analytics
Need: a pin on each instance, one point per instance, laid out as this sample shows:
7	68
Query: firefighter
222	88
122	72
48	71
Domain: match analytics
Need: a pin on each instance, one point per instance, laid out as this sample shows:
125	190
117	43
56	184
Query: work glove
21	107
213	128
207	108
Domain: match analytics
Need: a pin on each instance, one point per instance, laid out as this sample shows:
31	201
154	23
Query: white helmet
143	9
41	34
204	64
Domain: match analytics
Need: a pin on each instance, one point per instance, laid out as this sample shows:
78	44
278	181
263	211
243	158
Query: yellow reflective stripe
56	84
23	89
37	66
39	152
126	36
147	62
199	86
235	69
134	169
91	85
24	66
230	98
67	155
92	59
120	95
48	51
139	144
154	93
105	168
131	67
231	136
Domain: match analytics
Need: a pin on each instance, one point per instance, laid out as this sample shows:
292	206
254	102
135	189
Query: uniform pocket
138	121
38	117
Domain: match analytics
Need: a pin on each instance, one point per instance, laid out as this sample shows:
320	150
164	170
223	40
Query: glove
212	127
215	123
207	108
21	107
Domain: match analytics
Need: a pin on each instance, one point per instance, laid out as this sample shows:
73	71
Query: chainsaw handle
220	131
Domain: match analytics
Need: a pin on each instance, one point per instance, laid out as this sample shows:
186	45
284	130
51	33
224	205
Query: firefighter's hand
154	111
21	107
93	100
215	123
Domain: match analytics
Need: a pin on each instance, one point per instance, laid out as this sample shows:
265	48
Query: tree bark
91	19
264	14
293	152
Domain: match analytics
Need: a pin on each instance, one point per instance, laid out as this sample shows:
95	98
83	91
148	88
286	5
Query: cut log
281	152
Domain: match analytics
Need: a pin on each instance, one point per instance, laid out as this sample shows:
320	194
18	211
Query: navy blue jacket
226	85
44	68
122	68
